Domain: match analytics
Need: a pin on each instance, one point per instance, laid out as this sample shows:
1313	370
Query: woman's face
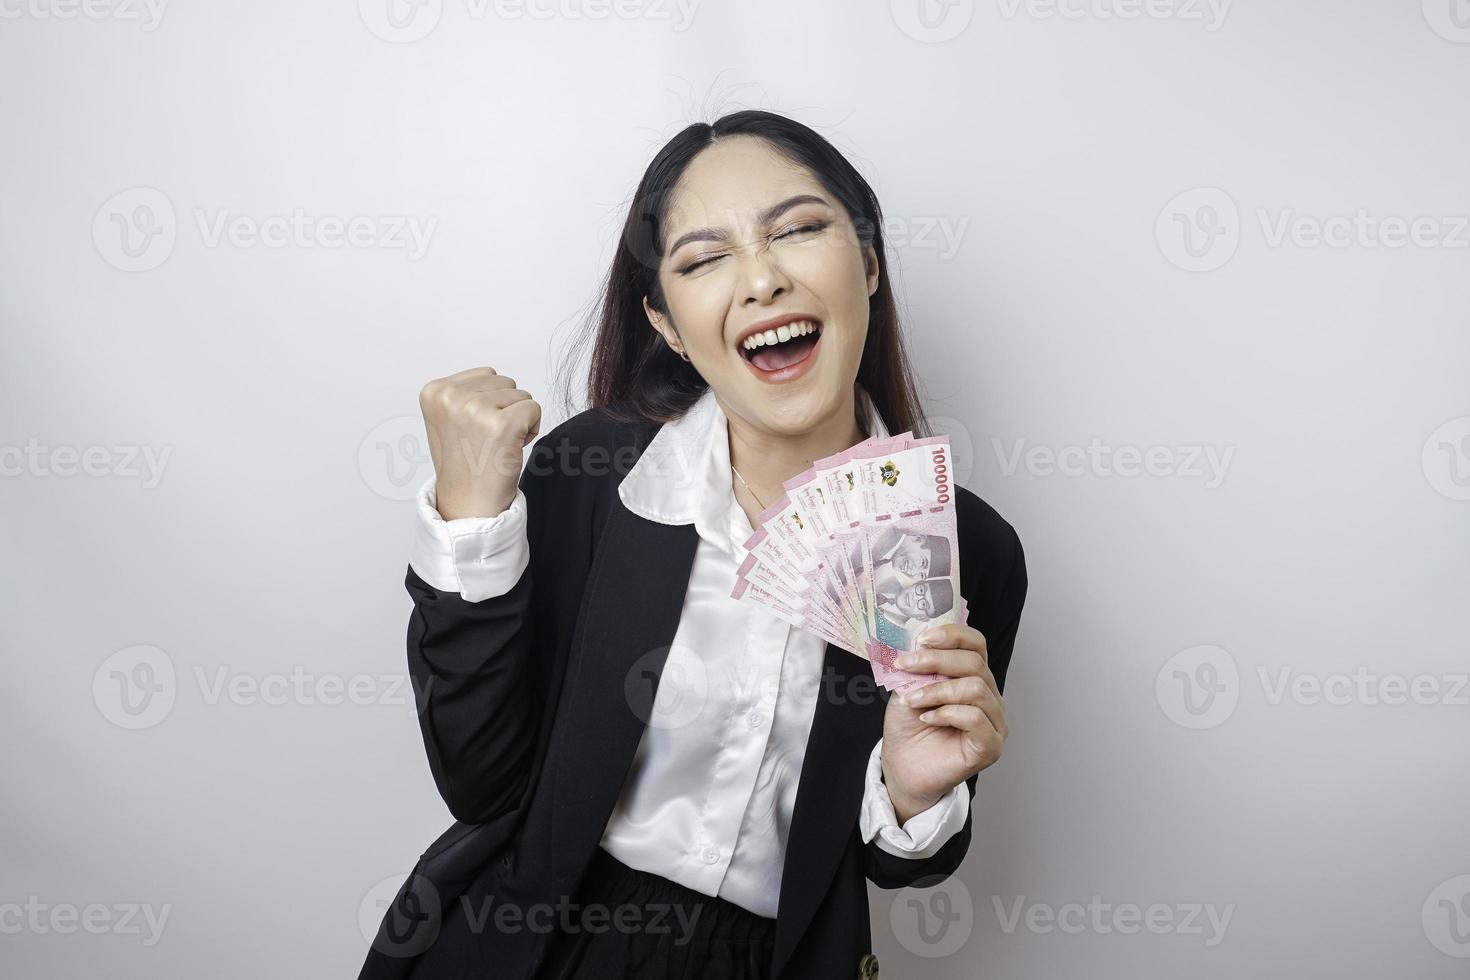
750	237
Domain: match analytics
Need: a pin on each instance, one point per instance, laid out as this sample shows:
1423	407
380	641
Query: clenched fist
478	422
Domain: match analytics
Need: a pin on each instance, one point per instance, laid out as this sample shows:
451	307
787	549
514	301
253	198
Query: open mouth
774	351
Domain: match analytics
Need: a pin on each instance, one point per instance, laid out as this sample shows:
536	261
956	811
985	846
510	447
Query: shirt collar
684	473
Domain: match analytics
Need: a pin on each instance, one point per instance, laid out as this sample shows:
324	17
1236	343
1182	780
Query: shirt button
754	720
710	854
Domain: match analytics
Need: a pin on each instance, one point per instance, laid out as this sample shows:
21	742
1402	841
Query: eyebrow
766	217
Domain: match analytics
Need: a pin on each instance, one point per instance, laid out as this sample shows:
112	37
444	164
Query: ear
661	323
870	263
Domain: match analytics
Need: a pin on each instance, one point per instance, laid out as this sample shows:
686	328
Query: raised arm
483	638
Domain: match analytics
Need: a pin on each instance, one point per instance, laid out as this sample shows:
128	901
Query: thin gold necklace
747	487
862	428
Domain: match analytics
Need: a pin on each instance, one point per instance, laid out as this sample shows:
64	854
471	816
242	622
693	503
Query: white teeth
779	335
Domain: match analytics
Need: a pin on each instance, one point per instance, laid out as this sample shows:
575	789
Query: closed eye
798	230
801	229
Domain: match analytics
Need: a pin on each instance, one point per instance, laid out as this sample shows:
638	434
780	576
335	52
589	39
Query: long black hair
635	376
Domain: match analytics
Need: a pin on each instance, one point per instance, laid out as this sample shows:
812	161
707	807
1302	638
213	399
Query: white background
1040	166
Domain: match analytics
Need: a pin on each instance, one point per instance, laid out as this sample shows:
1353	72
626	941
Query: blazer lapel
847	722
635	597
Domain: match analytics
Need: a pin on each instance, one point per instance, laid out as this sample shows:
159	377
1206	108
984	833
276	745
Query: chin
796	411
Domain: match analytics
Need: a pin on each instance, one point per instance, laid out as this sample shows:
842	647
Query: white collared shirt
709	797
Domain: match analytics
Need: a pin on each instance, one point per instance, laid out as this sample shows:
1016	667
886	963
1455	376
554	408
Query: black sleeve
486	673
1000	630
997	619
890	871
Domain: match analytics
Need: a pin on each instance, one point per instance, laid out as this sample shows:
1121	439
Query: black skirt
639	925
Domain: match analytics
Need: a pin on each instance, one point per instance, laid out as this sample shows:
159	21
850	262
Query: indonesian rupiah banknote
862	550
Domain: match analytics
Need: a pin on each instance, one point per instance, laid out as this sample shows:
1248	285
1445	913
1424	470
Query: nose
762	280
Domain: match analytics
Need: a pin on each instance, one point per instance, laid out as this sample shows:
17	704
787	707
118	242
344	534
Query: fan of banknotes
861	550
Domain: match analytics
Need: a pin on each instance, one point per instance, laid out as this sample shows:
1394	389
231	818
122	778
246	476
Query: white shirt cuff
924	833
478	557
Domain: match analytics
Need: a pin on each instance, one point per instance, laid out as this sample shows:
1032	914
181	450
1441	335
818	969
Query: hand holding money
939	734
862	550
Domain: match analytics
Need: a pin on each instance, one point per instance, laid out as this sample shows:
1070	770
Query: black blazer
530	731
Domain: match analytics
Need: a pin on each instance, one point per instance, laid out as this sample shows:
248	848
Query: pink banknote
862	550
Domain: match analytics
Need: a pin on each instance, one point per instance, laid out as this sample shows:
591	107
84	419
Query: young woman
650	778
